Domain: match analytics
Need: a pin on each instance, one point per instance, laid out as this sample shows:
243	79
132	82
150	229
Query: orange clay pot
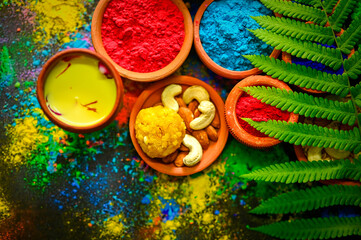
230	111
209	62
51	63
151	96
302	157
151	76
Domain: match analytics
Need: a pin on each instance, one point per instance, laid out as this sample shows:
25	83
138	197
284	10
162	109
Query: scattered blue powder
224	35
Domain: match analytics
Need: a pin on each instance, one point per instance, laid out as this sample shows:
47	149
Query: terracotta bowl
230	111
151	76
47	68
209	62
302	157
151	96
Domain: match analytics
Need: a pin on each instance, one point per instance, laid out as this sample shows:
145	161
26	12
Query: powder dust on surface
95	184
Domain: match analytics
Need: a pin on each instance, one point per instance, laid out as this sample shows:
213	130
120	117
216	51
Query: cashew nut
314	154
208	112
195	150
195	92
337	153
168	95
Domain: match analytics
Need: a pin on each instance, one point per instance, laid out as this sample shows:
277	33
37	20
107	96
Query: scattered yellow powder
159	131
4	209
113	227
57	18
24	138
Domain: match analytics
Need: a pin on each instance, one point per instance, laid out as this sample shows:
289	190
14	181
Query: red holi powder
250	107
142	36
123	115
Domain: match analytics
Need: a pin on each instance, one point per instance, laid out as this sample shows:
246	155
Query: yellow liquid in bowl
78	94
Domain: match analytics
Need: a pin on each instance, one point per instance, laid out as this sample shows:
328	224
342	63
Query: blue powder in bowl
224	35
319	66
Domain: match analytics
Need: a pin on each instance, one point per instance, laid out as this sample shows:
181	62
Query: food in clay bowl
309	153
177	125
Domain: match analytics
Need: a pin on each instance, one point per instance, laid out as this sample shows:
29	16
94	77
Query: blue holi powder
224	35
170	210
319	66
147	199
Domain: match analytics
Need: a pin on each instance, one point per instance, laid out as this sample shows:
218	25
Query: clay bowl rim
230	111
150	76
302	157
214	150
230	74
51	63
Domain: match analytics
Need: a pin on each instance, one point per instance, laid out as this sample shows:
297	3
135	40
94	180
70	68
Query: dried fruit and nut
200	119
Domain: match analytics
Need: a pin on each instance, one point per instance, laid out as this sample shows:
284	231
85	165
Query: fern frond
314	228
296	10
301	75
356	94
302	49
304	104
352	65
310	199
302	172
314	3
342	11
350	37
310	135
296	29
329	5
357	12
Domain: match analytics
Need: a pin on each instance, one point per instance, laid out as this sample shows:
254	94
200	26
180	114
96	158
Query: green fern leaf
328	56
329	5
314	228
342	11
301	75
296	10
314	3
350	37
302	172
356	94
296	29
310	199
352	65
304	104
310	135
357	12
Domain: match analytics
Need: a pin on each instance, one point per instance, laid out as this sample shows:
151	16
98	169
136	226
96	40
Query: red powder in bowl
250	107
142	36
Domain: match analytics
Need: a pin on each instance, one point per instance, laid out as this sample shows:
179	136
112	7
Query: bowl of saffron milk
79	90
145	40
221	36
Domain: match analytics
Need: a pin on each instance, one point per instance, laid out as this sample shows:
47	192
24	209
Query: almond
187	116
197	113
202	137
216	122
193	105
180	102
183	148
179	159
212	133
171	157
